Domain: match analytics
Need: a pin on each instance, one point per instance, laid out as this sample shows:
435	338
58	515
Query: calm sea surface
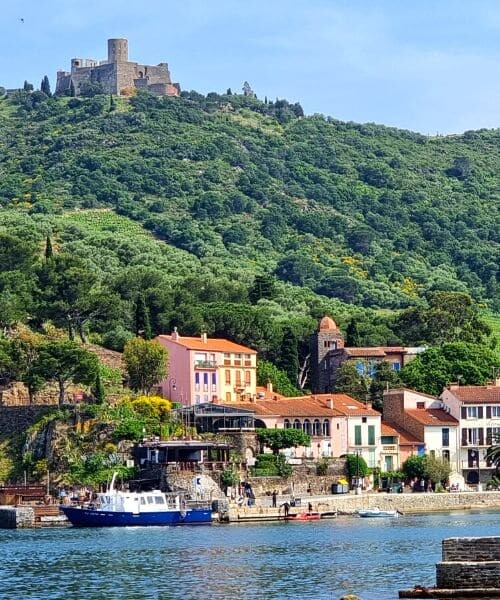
315	560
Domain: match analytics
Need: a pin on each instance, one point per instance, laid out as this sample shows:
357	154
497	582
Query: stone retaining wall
16	419
471	548
16	517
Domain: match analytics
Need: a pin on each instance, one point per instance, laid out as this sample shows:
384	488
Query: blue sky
430	66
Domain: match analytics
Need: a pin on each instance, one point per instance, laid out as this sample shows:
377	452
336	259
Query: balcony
205	364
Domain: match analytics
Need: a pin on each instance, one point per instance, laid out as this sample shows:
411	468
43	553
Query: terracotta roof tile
211	345
405	438
480	394
308	406
431	416
365	352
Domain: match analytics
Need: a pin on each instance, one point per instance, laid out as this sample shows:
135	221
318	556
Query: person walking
274	496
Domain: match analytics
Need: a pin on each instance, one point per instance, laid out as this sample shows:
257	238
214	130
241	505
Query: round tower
117	50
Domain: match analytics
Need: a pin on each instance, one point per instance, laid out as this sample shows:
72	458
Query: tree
112	103
493	451
352	336
142	319
27	87
146	364
45	86
49	253
263	287
279	439
385	377
414	467
349	381
98	390
72	90
289	356
356	466
267	372
435	368
65	361
8	365
26	346
436	470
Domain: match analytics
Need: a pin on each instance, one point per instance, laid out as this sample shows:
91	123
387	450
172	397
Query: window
307	426
363	419
360	367
214	382
326	428
371	459
248	378
296	424
228	377
286	424
248	360
472	436
159	500
197	399
228	396
238	378
237	360
371	435
495	411
205	398
316	427
227	358
472	412
396	366
421	405
445	437
205	382
373	369
446	455
197	382
357	435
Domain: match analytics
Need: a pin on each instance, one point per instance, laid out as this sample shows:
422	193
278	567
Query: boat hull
303	517
87	517
377	515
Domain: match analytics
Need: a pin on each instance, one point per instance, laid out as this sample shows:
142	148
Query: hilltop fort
116	75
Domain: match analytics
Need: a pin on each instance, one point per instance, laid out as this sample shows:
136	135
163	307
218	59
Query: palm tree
493	452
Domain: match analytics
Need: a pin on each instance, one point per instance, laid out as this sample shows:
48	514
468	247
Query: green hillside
371	215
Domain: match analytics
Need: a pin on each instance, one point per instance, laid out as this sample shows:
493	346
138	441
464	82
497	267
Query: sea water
314	560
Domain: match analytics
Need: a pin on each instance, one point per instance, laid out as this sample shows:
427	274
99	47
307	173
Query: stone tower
328	337
117	50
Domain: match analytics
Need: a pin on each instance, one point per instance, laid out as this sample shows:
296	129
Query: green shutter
357	435
371	435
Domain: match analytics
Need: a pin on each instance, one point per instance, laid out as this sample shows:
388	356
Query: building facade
329	353
203	369
116	75
477	408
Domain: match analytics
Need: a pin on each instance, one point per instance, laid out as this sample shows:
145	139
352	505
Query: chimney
204	337
270	387
329	403
368	404
496	382
175	335
275	398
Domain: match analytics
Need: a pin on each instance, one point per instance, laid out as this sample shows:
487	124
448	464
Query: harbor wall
350	503
469	563
16	517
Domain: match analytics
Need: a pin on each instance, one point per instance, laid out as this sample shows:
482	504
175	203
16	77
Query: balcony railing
205	364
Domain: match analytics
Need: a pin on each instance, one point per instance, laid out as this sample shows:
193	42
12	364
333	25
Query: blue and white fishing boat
117	508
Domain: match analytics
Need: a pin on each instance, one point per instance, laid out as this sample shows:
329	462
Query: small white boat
376	512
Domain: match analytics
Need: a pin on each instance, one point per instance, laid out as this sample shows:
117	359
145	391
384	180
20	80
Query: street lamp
358	487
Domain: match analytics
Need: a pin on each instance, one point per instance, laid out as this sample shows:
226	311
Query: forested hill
371	215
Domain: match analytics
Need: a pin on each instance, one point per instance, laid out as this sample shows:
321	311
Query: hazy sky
428	65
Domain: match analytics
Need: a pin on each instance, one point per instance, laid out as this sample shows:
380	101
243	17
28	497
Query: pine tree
72	91
27	87
289	355
49	253
45	86
353	337
112	103
229	92
142	319
98	390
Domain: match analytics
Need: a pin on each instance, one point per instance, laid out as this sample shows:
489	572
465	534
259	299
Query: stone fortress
117	75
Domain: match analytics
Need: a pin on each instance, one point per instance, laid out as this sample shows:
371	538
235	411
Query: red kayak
313	516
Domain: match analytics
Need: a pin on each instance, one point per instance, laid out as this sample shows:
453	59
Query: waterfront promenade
346	504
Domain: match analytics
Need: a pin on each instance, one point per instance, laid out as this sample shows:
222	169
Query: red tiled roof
308	406
482	394
405	438
211	345
431	416
365	352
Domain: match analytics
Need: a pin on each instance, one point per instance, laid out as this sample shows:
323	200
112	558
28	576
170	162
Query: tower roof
328	324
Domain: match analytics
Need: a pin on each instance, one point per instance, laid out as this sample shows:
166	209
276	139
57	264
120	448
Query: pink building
203	369
337	423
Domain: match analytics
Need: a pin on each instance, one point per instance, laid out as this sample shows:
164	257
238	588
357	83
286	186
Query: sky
427	65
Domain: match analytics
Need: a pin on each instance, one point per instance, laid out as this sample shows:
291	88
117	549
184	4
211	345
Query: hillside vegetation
371	215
